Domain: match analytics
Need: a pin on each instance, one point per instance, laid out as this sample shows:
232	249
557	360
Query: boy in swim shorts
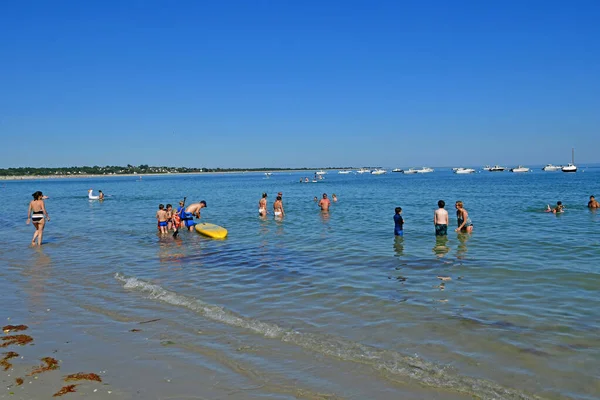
440	219
161	216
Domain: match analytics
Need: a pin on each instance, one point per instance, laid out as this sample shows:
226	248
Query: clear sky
282	83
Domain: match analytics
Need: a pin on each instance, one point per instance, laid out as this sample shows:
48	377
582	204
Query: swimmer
262	205
161	217
559	208
35	214
398	222
462	217
100	195
593	203
278	207
324	203
440	219
334	198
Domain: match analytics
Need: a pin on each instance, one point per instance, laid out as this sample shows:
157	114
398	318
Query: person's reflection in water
461	249
37	275
399	245
324	216
441	246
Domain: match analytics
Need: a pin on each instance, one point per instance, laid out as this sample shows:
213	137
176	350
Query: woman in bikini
278	208
35	214
262	205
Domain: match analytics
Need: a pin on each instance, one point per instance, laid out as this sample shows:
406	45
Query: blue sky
292	84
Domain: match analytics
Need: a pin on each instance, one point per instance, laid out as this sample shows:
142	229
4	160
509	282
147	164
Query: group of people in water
440	219
183	217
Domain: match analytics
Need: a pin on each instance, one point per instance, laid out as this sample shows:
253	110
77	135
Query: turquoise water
333	303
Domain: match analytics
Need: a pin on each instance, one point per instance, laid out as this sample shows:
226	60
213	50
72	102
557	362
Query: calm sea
327	304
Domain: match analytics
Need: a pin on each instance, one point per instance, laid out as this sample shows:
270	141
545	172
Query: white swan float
91	195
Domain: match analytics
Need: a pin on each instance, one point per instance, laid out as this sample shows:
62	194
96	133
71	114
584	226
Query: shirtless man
278	207
161	216
324	203
262	205
440	219
193	210
593	203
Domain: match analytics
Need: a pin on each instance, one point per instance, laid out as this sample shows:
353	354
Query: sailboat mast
573	155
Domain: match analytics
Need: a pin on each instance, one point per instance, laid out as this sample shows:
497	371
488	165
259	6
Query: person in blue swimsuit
398	222
162	217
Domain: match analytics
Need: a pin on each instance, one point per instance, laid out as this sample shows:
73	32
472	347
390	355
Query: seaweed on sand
64	390
7	356
20	340
51	363
19	381
14	328
83	376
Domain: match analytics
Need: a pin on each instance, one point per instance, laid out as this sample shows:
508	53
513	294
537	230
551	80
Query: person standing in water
35	214
100	195
324	203
440	219
462	218
398	222
193	210
278	207
262	205
593	203
161	217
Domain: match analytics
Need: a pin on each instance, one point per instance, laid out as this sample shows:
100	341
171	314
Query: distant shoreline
72	176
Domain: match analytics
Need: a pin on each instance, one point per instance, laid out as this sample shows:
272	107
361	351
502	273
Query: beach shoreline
87	176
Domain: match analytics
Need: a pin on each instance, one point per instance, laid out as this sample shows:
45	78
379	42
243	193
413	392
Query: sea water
329	303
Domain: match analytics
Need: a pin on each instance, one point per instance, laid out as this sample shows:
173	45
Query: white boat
424	170
397	170
378	171
268	174
321	172
496	168
487	168
344	172
461	170
410	171
363	170
550	167
570	167
520	168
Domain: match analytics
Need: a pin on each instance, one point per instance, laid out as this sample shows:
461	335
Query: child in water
398	222
559	208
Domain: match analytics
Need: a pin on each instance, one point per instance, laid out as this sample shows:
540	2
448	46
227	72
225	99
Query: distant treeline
130	169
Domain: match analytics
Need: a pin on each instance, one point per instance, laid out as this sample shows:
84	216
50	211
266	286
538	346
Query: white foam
392	362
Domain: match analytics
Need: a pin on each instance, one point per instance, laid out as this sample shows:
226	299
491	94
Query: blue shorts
162	223
441	229
189	223
399	232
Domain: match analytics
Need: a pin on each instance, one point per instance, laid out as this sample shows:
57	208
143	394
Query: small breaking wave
389	362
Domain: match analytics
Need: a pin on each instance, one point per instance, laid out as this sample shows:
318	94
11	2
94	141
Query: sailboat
571	167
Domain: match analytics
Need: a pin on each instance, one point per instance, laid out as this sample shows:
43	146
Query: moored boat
363	170
397	170
461	170
424	170
571	167
344	171
496	168
378	171
520	168
550	167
